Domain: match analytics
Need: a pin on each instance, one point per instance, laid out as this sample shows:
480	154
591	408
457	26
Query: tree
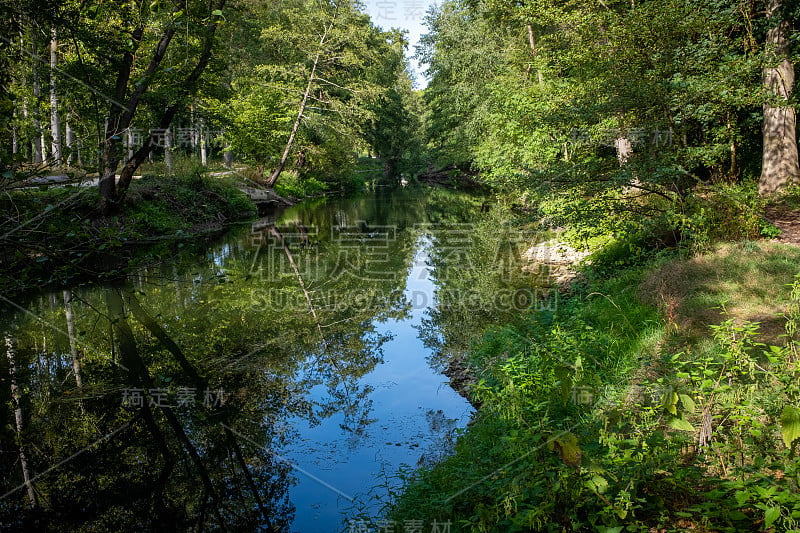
129	89
312	78
780	161
308	85
55	118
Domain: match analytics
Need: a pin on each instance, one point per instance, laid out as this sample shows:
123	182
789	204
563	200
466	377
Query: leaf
687	402
790	424
217	13
597	484
741	496
670	399
681	424
770	515
567	447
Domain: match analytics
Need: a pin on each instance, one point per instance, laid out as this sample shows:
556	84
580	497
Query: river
283	377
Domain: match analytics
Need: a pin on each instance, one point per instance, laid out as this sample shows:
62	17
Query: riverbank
57	234
657	397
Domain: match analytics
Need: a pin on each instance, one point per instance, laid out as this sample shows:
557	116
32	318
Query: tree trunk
780	167
203	149
112	191
287	150
168	150
55	120
532	45
16	396
38	139
15	135
73	346
228	156
624	148
70	140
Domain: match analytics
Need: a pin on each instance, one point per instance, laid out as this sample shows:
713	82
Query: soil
787	220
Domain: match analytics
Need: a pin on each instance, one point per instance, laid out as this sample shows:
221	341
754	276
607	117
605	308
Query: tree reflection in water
159	402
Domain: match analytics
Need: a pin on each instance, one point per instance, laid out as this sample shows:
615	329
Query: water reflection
186	396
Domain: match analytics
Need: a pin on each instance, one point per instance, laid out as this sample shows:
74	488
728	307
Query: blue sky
404	14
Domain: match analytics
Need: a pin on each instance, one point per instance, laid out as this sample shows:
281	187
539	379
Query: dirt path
788	221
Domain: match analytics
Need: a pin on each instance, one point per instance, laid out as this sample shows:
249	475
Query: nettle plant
740	400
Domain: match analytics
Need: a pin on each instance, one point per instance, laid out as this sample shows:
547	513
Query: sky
403	14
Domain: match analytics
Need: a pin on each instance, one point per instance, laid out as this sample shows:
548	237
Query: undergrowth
601	417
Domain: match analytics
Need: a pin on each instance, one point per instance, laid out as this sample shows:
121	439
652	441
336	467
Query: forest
632	162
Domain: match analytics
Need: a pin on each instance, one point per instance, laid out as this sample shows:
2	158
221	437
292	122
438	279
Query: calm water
278	379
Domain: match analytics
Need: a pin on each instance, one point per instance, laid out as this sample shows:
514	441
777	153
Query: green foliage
563	440
184	203
291	185
723	213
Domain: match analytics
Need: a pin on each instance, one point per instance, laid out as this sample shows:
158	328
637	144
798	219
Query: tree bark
532	45
287	150
203	148
70	140
55	119
168	150
779	167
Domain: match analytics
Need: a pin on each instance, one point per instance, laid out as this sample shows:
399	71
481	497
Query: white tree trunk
16	396
311	79
70	140
55	120
15	135
228	156
38	138
73	345
779	167
624	148
168	150
203	149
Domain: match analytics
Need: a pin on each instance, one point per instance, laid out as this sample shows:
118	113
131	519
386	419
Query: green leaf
598	484
741	496
217	13
669	402
770	515
680	424
687	402
790	424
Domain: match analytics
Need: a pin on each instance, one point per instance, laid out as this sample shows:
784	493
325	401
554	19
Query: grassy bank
56	234
657	397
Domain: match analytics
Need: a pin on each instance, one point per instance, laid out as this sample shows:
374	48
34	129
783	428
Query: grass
745	281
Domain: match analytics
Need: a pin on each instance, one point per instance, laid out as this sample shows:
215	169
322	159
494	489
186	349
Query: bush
723	212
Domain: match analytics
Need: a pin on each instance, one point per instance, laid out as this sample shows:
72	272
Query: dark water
277	380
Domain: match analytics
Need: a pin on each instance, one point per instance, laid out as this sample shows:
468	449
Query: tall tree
312	79
16	398
132	84
55	119
780	166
